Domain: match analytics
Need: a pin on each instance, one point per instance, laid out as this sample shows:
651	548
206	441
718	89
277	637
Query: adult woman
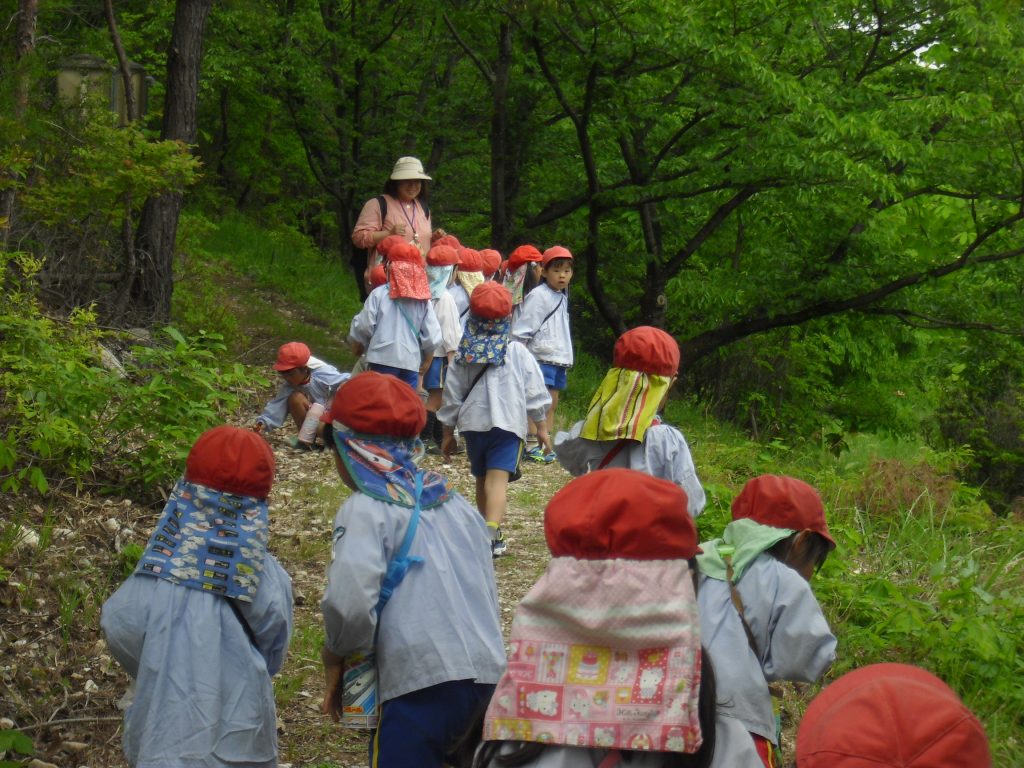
402	210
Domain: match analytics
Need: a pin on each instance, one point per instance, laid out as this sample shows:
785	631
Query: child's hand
333	669
258	427
357	348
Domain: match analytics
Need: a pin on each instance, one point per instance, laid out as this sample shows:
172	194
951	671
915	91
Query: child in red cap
521	274
622	427
756	604
468	275
890	716
307	388
493	387
397	328
437	642
204	622
441	263
606	665
543	326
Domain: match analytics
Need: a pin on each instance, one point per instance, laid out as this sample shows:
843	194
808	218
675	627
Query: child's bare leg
298	404
433	400
481	495
550	418
495	484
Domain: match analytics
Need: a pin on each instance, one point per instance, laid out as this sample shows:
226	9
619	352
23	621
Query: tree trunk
159	223
24	45
499	139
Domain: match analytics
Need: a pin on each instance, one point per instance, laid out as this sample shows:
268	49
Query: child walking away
491	261
441	261
307	388
543	326
397	327
493	386
468	275
622	427
890	716
203	623
605	660
437	642
756	605
521	275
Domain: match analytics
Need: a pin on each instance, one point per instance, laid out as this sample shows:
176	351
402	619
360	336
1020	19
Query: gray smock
324	380
504	397
663	453
543	326
441	623
791	632
398	333
203	693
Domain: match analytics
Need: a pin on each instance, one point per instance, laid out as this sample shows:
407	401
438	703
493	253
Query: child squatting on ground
605	665
543	326
756	605
890	716
437	643
307	389
203	623
493	387
622	427
397	328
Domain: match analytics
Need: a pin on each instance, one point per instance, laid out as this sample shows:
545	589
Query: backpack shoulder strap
383	203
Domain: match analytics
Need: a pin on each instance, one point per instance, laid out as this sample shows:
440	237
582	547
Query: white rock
91	687
112	524
25	538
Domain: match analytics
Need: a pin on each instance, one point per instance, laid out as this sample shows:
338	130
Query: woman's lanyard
411	220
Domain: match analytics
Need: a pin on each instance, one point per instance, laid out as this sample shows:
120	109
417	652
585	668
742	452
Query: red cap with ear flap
890	715
469	260
442	256
491	260
232	460
491	301
620	514
648	350
782	502
374	403
384	246
523	255
378	276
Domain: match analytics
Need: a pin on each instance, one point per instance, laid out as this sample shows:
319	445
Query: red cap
450	240
620	513
232	460
522	255
555	252
491	260
442	256
294	354
378	276
890	715
406	252
469	260
491	301
384	246
377	404
648	350
782	502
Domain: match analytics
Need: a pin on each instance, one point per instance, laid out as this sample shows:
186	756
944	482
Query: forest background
822	201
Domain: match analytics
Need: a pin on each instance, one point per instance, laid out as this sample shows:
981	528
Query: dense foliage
821	200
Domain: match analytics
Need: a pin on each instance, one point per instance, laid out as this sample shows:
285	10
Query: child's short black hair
556	263
814	553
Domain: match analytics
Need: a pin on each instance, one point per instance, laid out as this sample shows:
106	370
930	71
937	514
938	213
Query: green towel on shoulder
744	539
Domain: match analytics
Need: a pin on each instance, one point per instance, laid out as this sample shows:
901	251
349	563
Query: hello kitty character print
627	695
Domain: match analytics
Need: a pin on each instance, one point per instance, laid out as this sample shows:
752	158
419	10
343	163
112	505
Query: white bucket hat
408	168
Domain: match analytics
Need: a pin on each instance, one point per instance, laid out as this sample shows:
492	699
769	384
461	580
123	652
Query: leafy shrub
65	415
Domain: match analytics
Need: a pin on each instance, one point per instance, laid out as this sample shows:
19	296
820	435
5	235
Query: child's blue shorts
495	449
422	727
409	377
434	378
554	375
